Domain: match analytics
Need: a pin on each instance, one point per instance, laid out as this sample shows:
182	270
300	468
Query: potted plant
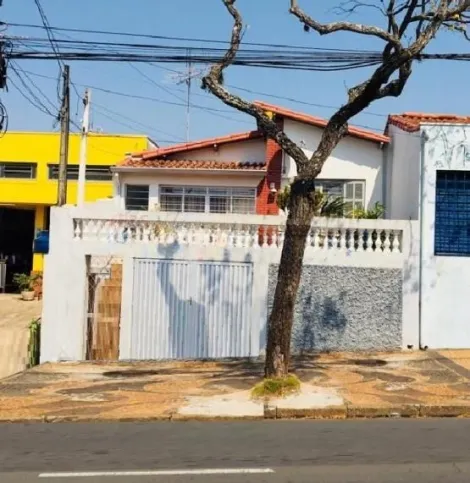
24	283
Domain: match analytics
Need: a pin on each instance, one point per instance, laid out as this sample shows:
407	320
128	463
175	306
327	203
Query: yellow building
28	184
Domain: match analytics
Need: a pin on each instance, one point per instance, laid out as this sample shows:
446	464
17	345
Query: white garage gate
191	309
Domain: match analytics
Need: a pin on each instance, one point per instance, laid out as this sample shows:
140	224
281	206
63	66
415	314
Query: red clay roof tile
319	122
411	121
191	164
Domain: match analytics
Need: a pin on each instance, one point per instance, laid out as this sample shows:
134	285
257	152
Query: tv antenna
187	77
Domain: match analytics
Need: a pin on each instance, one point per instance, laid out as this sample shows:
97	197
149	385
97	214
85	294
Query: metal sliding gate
191	310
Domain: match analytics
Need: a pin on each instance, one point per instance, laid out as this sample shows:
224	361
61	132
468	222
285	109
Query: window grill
92	172
137	197
18	170
186	199
452	222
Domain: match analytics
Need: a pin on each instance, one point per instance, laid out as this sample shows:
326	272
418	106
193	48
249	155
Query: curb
183	417
404	411
348	411
332	412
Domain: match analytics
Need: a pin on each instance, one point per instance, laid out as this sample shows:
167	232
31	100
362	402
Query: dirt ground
158	390
15	316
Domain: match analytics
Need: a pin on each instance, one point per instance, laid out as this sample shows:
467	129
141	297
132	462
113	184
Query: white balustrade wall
232	231
98	229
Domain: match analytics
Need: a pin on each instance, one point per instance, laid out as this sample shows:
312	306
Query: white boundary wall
99	230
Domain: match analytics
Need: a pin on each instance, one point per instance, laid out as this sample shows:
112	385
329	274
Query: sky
435	86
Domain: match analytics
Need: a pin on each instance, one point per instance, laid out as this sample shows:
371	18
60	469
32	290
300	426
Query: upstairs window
18	170
137	197
92	173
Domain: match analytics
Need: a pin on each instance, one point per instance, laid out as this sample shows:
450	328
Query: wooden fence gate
104	311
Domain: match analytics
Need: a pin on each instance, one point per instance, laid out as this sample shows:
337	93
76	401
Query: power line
46	26
264	94
214	111
34	99
168	91
314	59
31	101
50	36
156	83
449	56
137	123
17	69
298	101
159	37
322	60
371	128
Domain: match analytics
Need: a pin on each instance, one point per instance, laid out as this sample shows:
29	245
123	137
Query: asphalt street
379	451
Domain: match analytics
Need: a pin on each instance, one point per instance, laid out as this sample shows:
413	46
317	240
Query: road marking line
226	471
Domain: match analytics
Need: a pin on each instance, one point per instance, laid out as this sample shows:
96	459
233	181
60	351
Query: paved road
418	451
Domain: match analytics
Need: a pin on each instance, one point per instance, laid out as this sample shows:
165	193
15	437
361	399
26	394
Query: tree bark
299	220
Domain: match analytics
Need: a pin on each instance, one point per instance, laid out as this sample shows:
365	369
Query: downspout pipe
421	231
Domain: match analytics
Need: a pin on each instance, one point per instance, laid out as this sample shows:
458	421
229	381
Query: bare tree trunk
299	220
426	17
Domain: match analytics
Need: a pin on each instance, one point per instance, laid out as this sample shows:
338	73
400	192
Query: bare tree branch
350	7
392	22
214	79
325	29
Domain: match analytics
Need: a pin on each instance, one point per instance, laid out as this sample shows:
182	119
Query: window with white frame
351	192
197	199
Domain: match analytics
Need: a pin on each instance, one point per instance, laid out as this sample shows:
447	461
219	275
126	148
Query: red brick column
265	200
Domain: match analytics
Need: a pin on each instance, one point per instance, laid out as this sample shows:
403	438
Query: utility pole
64	138
83	148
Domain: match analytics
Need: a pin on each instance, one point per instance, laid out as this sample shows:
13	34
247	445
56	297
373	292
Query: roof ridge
429	114
200	144
354	131
191	164
412	121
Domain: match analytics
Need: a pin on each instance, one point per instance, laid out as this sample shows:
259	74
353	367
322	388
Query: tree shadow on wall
223	292
320	324
191	330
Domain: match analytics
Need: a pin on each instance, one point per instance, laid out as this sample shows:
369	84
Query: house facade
186	254
242	173
445	234
404	157
28	185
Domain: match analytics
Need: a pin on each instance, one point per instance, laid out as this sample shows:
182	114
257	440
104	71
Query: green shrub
279	387
22	281
34	345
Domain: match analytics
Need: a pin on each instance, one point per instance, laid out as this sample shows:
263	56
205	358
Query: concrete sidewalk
413	384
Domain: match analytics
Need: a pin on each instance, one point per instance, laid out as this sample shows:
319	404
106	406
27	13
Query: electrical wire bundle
256	55
279	58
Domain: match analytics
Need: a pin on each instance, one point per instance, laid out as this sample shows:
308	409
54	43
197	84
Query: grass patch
276	387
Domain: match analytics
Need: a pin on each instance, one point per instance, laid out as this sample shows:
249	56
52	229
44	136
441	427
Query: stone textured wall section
346	308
